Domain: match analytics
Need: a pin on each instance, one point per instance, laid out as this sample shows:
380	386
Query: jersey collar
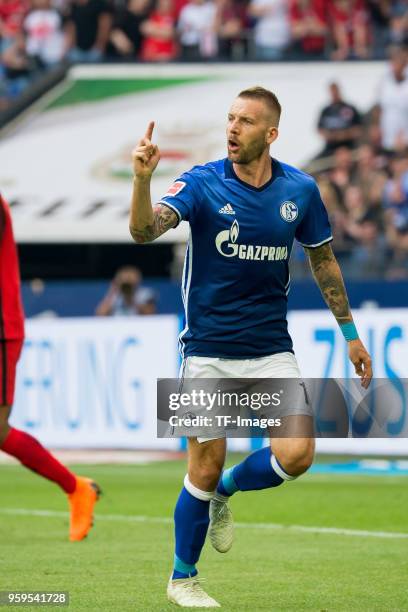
277	171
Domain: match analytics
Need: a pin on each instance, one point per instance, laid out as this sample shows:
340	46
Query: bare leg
191	516
295	452
205	462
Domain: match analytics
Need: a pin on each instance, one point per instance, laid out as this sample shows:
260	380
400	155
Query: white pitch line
167	520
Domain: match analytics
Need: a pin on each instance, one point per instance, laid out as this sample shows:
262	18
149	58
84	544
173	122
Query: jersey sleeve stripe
186	290
313	246
180	218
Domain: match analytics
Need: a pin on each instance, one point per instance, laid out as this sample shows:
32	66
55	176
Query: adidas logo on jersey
227	210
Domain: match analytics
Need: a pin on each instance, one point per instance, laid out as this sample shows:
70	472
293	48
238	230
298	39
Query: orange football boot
81	503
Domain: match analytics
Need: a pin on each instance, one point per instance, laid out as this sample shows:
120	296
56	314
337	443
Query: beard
248	154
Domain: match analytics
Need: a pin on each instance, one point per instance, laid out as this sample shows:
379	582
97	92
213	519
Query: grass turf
125	563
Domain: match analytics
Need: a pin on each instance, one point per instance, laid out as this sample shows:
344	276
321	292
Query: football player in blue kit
244	213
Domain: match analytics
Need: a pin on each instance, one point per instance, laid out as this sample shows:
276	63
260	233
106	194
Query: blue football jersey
236	271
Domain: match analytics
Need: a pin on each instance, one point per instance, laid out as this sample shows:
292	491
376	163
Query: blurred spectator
398	33
272	28
17	68
159	31
11	20
178	5
309	27
88	29
396	214
372	135
342	173
370	176
369	257
230	26
349	22
196	28
126	36
339	123
126	297
44	34
396	193
393	100
352	228
356	209
333	200
380	13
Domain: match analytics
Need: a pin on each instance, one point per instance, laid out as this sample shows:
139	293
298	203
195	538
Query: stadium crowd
362	168
362	172
37	34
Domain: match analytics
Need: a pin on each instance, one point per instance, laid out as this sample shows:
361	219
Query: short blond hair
260	93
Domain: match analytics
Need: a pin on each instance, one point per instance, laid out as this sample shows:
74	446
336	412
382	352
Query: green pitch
125	563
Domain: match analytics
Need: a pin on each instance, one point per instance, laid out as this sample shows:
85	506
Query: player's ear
272	135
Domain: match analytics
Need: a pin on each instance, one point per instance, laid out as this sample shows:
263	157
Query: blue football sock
191	518
260	470
227	485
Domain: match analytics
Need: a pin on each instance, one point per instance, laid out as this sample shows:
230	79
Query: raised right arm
146	222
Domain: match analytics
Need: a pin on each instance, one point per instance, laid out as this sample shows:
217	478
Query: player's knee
205	476
297	457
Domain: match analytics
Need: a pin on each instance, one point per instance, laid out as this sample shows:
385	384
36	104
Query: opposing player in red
82	492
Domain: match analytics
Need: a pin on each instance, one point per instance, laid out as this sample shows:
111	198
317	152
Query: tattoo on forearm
163	219
328	276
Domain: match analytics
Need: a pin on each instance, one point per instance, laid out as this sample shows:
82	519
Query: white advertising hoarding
91	383
322	353
68	168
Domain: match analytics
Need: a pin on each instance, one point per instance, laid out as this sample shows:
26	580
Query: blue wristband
349	331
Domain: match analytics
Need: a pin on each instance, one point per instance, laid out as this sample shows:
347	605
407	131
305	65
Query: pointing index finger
149	131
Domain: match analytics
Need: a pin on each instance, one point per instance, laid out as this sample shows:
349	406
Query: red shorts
9	354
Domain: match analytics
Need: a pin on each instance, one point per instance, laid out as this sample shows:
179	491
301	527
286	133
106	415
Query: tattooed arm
328	276
162	218
147	223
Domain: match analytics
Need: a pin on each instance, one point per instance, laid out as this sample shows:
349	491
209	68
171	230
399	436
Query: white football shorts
279	365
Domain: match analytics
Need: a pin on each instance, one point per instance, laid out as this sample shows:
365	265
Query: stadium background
87	383
91	383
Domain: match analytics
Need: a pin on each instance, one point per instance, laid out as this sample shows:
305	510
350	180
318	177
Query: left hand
361	361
